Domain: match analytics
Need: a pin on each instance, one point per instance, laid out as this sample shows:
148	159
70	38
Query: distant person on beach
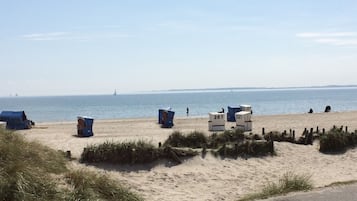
311	111
222	111
187	111
328	108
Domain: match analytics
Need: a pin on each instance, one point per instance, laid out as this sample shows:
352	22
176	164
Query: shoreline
191	117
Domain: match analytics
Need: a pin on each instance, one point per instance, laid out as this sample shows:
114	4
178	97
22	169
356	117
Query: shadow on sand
133	167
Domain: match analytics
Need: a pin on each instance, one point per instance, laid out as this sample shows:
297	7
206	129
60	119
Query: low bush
279	137
251	148
131	153
228	136
194	139
121	153
337	140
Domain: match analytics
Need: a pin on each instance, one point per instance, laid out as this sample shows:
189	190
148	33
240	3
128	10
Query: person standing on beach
187	111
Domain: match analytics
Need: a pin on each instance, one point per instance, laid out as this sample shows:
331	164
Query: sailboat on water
115	92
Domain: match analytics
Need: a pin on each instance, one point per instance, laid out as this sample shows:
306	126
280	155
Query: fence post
68	154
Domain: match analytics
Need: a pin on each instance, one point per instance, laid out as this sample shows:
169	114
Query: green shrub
121	153
337	140
216	140
194	139
131	153
279	137
251	148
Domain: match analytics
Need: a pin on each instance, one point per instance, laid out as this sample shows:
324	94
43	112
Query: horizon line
191	90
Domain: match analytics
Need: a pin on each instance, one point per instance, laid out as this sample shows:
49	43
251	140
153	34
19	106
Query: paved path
336	193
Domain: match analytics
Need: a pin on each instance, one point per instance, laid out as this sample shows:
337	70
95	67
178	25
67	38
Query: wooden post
224	150
311	130
271	146
68	154
323	131
159	144
346	129
317	129
263	131
311	139
294	135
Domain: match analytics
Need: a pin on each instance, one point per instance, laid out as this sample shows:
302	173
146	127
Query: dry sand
210	178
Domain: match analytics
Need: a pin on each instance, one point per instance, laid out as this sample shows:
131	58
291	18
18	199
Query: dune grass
230	143
31	171
229	136
337	140
26	168
132	152
198	139
193	140
87	185
121	153
289	182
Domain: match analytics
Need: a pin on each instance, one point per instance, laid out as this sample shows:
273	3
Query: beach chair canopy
15	120
231	113
85	126
166	117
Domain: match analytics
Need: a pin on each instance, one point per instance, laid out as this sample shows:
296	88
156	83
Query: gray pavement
335	193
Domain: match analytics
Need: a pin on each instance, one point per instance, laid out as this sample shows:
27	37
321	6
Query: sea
199	102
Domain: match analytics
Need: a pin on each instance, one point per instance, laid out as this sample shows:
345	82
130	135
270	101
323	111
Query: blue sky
93	47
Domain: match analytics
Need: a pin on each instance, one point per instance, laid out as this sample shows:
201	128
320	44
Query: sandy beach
209	178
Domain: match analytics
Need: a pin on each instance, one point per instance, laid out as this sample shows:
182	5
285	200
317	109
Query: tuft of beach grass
289	182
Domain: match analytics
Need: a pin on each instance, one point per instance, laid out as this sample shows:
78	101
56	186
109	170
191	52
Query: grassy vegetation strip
121	153
135	152
198	139
31	171
290	182
248	147
230	143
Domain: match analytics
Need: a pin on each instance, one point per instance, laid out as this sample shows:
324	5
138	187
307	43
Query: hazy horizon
94	47
224	89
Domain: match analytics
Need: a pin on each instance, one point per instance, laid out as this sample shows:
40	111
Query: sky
68	47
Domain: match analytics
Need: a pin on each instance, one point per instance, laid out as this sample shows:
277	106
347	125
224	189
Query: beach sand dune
210	178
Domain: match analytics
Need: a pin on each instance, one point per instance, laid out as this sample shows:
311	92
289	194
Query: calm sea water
264	101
